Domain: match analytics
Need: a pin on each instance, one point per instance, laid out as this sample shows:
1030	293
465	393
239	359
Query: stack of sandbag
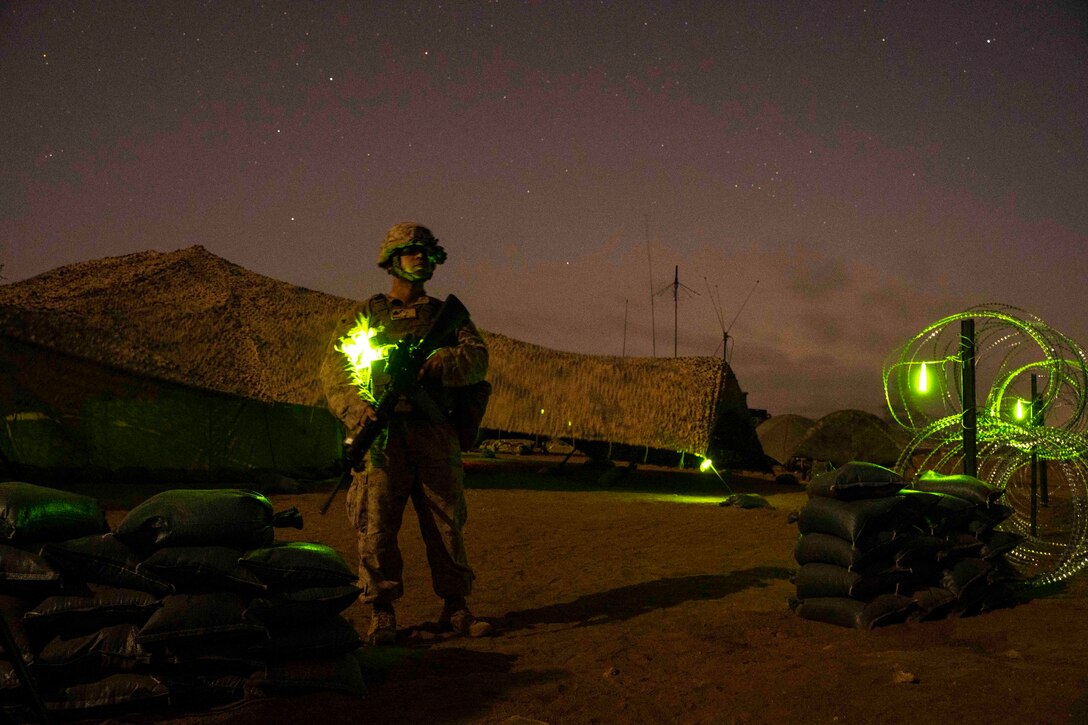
189	603
875	549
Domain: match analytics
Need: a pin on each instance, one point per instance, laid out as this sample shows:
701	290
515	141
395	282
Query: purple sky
875	166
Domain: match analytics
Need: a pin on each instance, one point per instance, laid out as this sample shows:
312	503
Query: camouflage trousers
419	461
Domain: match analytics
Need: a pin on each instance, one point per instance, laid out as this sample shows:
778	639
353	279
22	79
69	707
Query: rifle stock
404	365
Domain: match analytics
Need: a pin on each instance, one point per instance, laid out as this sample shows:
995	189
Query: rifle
403	365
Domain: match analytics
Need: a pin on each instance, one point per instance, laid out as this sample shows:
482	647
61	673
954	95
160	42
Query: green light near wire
923	379
706	465
922	387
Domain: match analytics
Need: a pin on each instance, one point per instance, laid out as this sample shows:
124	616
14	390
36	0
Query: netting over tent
184	359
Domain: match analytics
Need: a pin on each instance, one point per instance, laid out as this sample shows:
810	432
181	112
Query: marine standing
418	455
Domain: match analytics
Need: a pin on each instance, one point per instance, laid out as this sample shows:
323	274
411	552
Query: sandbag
109	692
857	480
201	691
203	517
916	550
112	648
853	520
302	605
932	603
964	574
26	573
30	514
299	564
12	610
105	559
103	607
860	556
997	543
817	580
844	612
9	678
959	485
945	514
198	617
194	569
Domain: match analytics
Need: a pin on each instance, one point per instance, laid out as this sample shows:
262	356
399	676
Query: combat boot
383	626
456	617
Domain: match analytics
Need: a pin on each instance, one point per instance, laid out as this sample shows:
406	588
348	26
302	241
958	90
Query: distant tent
185	362
781	434
181	363
849	435
692	404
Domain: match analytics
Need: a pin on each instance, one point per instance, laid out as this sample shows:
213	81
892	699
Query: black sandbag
746	501
109	649
104	559
915	550
986	518
201	691
932	603
195	569
25	573
873	552
965	573
200	517
964	546
9	678
190	618
299	564
945	514
854	613
968	488
857	480
30	514
814	581
12	609
292	676
854	520
997	543
101	607
982	599
302	605
115	692
318	638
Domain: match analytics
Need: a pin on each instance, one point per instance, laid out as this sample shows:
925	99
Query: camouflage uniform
415	457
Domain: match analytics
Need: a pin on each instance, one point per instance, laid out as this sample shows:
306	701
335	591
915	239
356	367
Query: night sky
874	166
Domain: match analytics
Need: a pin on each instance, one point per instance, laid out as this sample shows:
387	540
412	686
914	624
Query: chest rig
395	322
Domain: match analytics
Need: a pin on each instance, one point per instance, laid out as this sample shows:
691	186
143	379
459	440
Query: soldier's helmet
409	234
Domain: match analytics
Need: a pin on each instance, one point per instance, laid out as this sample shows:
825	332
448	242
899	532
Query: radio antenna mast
650	261
676	286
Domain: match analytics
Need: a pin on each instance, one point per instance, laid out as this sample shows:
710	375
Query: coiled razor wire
923	389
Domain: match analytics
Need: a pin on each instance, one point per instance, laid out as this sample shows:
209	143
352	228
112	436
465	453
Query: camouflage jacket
463	361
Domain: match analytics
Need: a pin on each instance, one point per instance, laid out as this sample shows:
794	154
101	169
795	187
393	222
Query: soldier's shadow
630	601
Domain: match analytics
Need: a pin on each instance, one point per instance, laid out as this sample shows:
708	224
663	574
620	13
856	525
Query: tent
781	434
849	435
184	362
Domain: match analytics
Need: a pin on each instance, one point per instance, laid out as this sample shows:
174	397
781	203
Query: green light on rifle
359	352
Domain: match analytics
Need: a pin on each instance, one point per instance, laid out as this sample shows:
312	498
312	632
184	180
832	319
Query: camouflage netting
669	403
198	322
188	317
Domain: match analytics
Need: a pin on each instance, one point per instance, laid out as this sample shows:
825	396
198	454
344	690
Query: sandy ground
643	601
